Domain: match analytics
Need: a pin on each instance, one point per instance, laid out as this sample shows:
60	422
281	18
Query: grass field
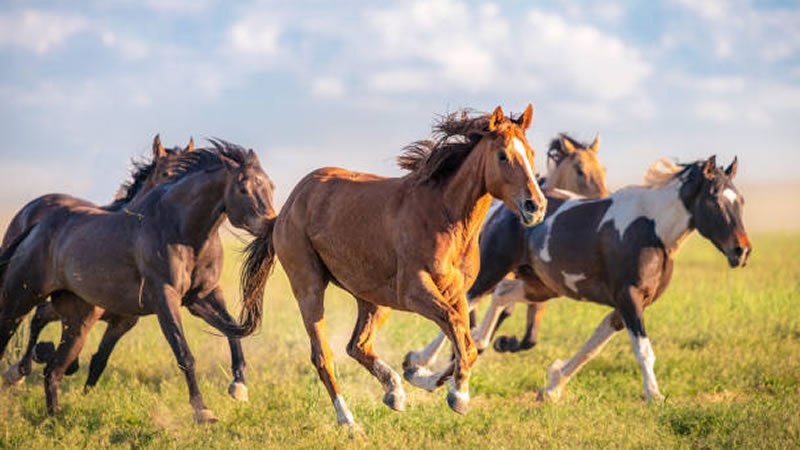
727	344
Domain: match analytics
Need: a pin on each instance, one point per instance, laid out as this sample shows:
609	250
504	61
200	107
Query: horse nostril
530	206
738	251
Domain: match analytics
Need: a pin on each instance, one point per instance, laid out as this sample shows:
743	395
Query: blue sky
85	86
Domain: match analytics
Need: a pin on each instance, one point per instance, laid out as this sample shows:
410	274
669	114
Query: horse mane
454	136
664	170
556	152
208	158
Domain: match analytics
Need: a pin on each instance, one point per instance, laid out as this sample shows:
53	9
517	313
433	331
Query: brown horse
572	165
619	251
138	262
407	243
145	176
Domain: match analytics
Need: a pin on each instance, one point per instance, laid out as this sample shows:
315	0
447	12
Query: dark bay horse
144	177
572	166
405	243
619	252
138	262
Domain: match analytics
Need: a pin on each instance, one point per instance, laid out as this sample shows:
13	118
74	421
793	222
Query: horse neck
465	195
198	203
663	204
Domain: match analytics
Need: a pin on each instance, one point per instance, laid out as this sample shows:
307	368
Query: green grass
727	344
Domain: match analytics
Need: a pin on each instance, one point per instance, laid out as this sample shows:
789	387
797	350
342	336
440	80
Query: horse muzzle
738	256
531	212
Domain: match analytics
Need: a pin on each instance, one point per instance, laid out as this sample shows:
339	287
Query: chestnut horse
146	175
407	243
572	166
619	252
139	262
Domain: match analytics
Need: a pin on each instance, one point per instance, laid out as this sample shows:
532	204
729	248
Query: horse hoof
458	401
395	400
43	352
72	368
238	391
655	399
13	376
205	415
410	361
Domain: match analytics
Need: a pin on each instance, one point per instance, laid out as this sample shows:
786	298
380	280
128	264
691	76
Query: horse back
37	209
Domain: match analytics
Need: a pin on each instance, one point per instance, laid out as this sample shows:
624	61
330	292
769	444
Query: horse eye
580	172
501	155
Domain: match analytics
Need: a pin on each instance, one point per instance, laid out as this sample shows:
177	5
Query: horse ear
190	146
595	144
497	118
158	149
710	167
566	144
731	170
524	121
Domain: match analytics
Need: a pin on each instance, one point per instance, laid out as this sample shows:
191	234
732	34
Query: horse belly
102	274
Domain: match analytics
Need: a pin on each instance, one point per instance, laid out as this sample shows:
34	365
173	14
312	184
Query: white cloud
719	85
129	49
584	58
256	36
39	31
609	12
401	80
708	9
715	111
328	87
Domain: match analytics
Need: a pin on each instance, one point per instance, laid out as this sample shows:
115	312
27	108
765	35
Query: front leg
424	297
166	303
211	308
632	314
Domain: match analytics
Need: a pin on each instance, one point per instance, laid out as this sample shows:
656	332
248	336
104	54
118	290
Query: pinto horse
138	262
407	243
572	166
619	252
145	176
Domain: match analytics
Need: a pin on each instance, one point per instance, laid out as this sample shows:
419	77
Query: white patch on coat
571	280
729	194
660	204
343	414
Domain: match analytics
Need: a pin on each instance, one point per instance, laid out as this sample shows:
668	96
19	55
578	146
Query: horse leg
117	327
211	308
45	313
559	373
169	317
511	343
370	318
507	293
631	308
78	317
453	318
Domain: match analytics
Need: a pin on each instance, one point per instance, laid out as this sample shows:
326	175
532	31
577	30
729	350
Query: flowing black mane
557	152
454	136
208	158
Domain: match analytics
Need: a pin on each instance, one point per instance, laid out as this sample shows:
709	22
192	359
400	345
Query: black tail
256	270
8	254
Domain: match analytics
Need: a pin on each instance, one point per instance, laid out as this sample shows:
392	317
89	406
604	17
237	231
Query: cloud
708	9
401	80
39	31
130	49
255	36
609	12
583	58
327	87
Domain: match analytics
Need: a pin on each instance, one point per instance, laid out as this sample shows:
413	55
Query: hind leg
211	308
117	327
78	317
370	318
45	313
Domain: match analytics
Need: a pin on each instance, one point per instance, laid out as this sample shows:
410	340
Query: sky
84	86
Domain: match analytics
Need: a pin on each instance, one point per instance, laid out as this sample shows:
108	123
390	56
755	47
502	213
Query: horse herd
432	242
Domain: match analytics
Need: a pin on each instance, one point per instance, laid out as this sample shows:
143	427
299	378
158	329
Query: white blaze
729	194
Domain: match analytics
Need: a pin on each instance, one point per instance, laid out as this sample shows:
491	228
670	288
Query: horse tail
258	264
8	254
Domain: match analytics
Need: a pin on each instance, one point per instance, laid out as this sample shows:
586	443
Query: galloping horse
572	166
139	262
145	176
619	252
405	243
